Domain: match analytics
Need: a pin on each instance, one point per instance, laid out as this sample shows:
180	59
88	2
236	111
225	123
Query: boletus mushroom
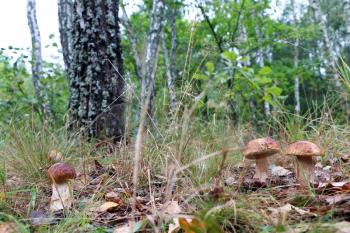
305	164
259	149
62	196
55	156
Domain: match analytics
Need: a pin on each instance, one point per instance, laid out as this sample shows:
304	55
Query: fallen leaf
171	208
123	229
192	225
216	193
107	206
9	227
282	211
342	227
333	187
279	171
129	227
230	181
175	227
41	219
337	199
321	210
113	197
345	157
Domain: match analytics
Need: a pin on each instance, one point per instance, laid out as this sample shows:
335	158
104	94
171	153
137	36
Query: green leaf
230	56
264	81
275	91
210	67
200	76
268	99
265	70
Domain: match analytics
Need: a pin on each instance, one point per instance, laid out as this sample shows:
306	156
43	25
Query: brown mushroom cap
61	172
304	148
260	148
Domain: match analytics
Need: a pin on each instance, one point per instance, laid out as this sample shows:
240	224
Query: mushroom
259	149
60	174
55	156
304	151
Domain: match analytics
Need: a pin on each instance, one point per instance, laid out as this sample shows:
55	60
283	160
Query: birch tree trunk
65	20
261	63
347	26
146	71
322	21
151	57
170	59
133	41
97	85
37	63
296	61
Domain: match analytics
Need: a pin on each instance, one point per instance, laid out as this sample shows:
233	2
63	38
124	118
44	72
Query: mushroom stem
262	165
305	170
61	198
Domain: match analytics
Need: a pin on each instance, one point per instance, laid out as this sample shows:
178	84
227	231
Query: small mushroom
259	149
304	151
55	156
60	174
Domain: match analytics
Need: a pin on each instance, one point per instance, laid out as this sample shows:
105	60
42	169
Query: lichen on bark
96	82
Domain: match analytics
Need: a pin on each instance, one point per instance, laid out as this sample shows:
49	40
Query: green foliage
17	97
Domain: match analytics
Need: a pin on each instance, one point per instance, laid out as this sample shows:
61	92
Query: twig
194	162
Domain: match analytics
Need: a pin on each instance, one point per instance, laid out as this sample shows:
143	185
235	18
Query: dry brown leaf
129	227
216	193
107	206
171	208
114	197
175	227
279	171
337	199
9	227
282	211
334	187
123	229
345	157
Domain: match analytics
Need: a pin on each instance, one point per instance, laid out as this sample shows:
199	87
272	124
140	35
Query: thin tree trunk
37	64
347	17
97	85
65	19
296	62
170	60
151	58
322	21
261	62
133	41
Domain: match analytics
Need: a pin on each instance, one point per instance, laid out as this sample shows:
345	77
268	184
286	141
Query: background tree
37	63
97	84
65	21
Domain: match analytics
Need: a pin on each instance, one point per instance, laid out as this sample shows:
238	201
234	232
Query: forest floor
193	180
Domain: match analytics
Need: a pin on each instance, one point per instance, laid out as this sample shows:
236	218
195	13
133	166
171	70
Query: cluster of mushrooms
258	149
304	151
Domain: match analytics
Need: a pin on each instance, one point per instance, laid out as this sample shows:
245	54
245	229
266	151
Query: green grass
25	148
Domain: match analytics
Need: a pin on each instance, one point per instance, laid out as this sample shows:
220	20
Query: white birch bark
347	21
37	64
170	60
133	41
261	63
296	61
322	21
65	19
146	71
151	56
